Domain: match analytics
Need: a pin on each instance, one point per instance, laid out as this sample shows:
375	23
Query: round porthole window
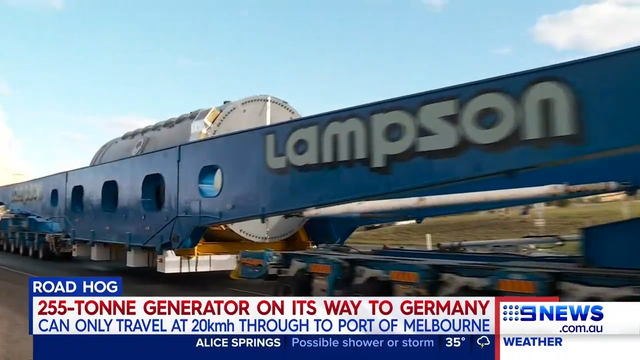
210	181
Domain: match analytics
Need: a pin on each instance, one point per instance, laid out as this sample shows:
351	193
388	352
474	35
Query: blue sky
77	73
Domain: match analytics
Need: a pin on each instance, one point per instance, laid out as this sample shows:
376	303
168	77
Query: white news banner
332	316
583	347
569	318
558	331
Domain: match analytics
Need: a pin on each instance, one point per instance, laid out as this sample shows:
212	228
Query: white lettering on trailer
24	193
546	110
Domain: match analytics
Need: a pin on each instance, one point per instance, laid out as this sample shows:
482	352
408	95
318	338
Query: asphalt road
16	344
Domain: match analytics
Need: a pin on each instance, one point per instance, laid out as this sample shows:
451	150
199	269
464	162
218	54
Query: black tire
44	253
297	285
5	246
22	249
33	253
629	298
373	287
66	256
468	292
13	249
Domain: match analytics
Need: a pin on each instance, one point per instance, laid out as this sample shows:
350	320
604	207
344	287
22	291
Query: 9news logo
552	312
513	312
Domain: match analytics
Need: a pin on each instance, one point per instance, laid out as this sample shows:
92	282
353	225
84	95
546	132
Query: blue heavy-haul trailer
251	186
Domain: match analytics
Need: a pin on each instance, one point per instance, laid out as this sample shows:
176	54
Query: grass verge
488	226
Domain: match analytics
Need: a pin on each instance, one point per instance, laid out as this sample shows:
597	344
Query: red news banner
139	315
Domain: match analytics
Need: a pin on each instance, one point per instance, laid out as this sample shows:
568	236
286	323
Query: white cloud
70	149
188	62
503	51
600	26
72	137
436	5
119	125
5	89
52	4
75	146
12	167
96	128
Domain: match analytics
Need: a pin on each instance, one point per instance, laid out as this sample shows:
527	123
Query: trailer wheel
13	248
44	253
21	249
32	252
297	285
373	287
628	298
466	291
5	246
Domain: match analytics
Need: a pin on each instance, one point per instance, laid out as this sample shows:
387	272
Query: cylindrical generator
229	117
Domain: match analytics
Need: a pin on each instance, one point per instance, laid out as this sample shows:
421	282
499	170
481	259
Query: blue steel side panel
605	88
41	206
37	224
129	223
614	245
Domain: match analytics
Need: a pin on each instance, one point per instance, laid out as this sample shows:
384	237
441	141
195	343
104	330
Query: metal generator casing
244	114
232	116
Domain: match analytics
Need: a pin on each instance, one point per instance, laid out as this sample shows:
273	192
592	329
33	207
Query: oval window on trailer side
153	192
54	198
210	181
110	196
77	199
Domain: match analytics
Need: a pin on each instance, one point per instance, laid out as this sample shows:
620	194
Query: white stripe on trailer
421	202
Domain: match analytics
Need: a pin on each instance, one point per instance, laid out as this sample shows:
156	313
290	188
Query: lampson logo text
546	111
